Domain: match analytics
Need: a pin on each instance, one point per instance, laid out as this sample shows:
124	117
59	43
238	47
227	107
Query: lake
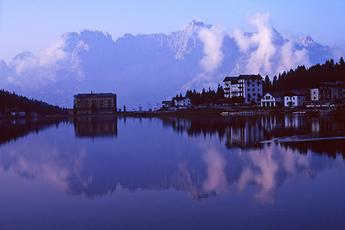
266	172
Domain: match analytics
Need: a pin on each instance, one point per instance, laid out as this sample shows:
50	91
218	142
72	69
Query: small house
271	100
294	100
167	104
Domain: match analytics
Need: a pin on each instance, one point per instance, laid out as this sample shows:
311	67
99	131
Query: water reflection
204	166
90	126
248	132
12	129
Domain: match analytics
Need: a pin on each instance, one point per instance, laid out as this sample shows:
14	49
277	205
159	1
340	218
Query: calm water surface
130	173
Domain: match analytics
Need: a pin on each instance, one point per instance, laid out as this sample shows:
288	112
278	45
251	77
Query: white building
315	94
182	102
248	87
271	100
294	100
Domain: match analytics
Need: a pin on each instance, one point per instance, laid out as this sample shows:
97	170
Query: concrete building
328	91
271	100
94	103
182	102
247	87
294	100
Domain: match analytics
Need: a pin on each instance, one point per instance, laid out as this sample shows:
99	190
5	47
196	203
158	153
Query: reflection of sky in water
154	164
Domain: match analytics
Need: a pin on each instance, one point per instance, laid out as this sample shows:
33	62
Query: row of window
95	103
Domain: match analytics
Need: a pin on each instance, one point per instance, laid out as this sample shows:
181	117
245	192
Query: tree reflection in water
215	158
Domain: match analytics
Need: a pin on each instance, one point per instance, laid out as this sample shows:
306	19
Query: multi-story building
94	103
328	91
247	87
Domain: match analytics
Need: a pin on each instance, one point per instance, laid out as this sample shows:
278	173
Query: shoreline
193	112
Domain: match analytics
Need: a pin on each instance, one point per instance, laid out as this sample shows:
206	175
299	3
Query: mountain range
144	69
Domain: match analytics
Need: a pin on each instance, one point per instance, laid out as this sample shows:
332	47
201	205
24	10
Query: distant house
248	87
94	103
182	102
167	104
271	100
294	100
328	91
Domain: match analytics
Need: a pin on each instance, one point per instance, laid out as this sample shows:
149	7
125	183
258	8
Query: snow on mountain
145	69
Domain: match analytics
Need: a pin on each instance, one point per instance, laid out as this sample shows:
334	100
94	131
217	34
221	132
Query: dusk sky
34	24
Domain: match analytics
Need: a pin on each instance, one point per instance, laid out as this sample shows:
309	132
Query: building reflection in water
201	167
248	132
95	126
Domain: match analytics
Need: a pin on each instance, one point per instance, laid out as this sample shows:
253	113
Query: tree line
306	78
11	102
295	79
209	96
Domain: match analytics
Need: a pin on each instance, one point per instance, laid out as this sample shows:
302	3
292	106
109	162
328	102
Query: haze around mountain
145	69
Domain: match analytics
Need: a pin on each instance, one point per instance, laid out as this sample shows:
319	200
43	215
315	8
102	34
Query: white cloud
36	72
291	58
212	39
260	44
263	53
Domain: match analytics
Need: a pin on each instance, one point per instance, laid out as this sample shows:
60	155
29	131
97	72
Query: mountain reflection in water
148	157
100	173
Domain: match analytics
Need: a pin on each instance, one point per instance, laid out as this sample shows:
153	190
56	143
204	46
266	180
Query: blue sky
34	24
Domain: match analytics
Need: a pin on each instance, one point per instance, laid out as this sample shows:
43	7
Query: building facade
328	91
247	87
94	103
182	102
294	100
270	100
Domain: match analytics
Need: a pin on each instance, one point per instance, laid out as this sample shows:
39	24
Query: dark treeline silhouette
11	102
209	96
305	78
12	131
331	148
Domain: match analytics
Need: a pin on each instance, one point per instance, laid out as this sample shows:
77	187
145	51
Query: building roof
250	77
86	95
274	94
228	78
332	84
245	77
291	94
181	98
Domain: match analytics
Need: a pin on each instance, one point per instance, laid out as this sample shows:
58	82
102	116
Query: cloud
212	39
216	179
37	72
260	44
291	58
265	51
